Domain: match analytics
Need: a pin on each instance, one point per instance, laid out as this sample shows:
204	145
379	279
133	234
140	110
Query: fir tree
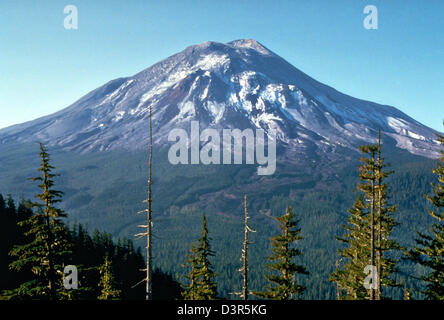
385	224
190	291
48	249
8	236
368	230
367	183
201	284
107	282
356	253
429	249
2	203
282	269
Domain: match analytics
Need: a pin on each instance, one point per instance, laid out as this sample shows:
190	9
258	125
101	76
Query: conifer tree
107	282
429	249
385	223
368	230
367	186
356	253
201	284
48	249
282	269
2	203
190	291
8	235
10	207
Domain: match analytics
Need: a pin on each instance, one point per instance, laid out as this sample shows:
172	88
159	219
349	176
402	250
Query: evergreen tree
385	224
165	287
2	204
282	269
429	249
368	232
201	275
107	282
366	185
48	249
350	278
10	207
8	233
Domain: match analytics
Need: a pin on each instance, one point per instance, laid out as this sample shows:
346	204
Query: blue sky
44	68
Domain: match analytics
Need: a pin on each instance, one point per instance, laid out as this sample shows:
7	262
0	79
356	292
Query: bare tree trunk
245	257
244	269
149	221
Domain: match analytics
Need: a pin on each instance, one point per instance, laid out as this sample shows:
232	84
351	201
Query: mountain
240	84
99	146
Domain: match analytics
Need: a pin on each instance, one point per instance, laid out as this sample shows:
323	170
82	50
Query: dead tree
149	223
244	269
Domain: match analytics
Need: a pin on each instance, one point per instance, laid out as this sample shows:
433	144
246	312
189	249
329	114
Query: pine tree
48	248
8	237
190	291
350	278
107	282
367	186
10	207
385	223
282	269
2	203
201	275
368	230
429	249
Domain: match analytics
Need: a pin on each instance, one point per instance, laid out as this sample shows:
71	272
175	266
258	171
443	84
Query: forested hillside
89	252
105	191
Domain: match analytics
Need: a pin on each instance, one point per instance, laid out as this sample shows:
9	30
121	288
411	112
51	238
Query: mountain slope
240	84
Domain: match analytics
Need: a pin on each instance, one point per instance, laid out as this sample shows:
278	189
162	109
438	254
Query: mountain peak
250	44
240	44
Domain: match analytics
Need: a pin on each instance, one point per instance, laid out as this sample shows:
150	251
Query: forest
374	261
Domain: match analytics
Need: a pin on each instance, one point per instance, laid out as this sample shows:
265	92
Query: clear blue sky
44	68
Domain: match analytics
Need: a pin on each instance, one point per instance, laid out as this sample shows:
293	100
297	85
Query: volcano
239	84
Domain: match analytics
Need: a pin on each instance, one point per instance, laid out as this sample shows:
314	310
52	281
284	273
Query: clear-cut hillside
239	84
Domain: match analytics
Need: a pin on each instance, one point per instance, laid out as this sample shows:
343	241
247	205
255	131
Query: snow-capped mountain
239	84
